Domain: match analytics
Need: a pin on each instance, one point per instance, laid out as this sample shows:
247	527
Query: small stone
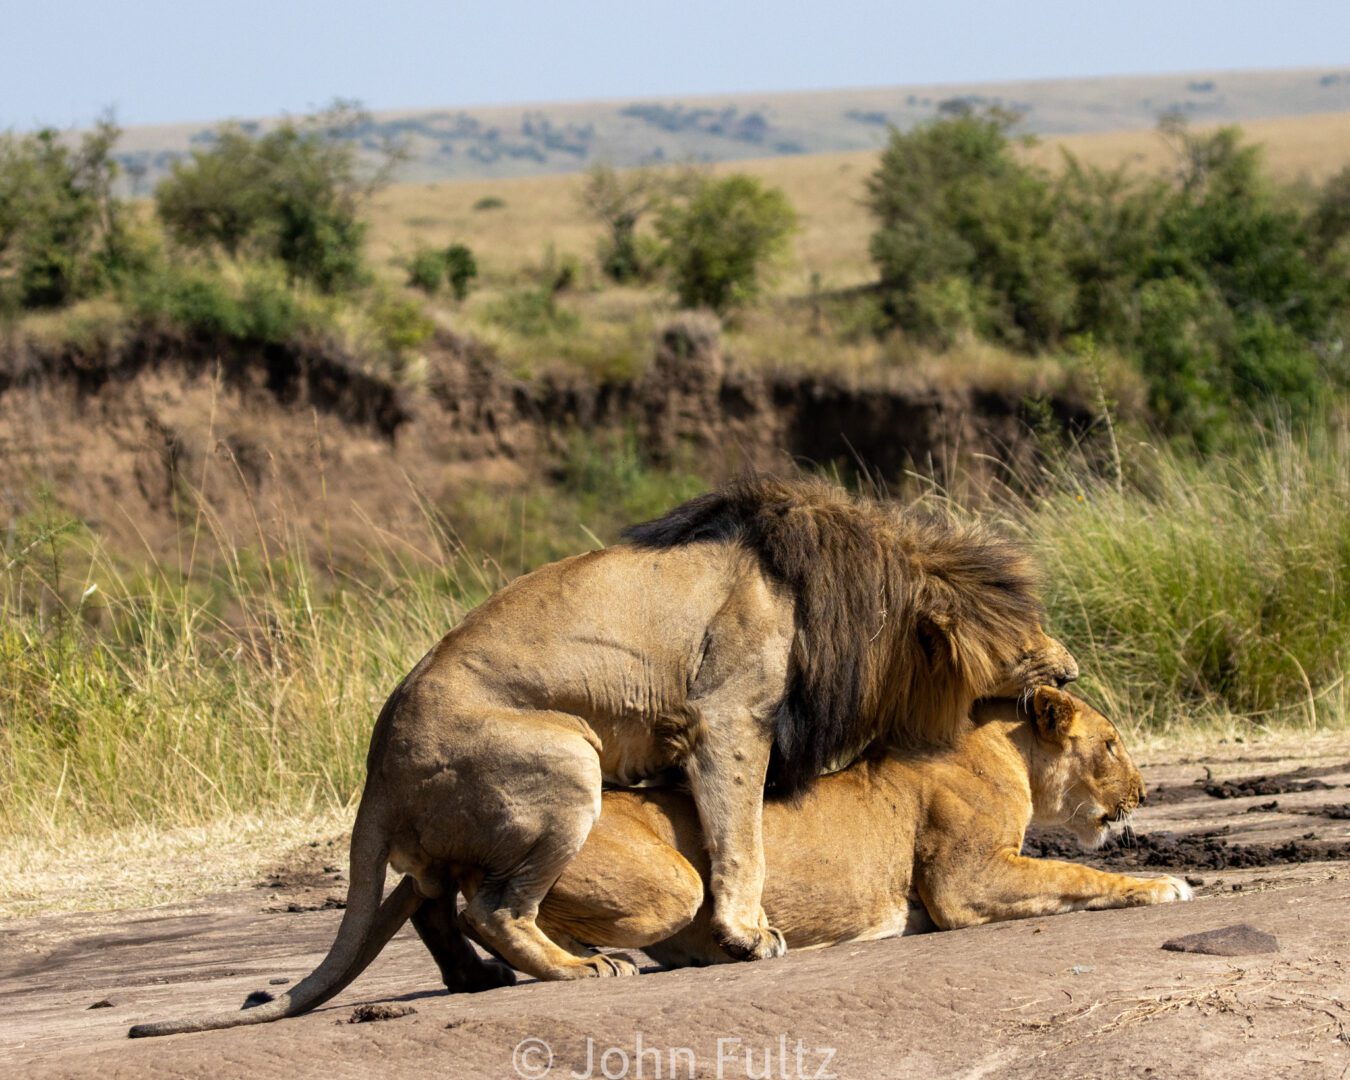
1237	940
278	981
1194	882
1081	969
102	1003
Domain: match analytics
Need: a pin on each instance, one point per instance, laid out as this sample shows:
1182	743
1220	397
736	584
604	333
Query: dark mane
902	620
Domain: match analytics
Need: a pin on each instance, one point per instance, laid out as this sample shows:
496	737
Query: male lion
772	623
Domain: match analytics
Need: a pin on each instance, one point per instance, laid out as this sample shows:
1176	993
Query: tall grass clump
1207	592
171	697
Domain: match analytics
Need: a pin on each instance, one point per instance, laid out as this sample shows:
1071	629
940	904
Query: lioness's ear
1055	712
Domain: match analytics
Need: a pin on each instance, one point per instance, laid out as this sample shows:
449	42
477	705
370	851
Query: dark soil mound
1184	851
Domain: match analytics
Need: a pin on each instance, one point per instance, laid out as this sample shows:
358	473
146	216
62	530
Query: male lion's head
1082	776
1042	661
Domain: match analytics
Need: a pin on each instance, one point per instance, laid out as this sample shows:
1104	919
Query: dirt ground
1084	995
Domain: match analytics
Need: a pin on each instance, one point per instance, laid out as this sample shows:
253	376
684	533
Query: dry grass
1297	147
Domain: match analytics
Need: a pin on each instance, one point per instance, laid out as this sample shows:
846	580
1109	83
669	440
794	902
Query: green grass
1207	594
1204	596
235	680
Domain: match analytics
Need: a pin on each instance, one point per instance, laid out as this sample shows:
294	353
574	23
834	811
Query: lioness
894	845
773	621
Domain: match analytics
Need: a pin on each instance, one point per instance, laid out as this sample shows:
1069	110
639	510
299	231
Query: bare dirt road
1084	995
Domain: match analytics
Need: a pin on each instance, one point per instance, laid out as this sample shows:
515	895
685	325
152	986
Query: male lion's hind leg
549	799
462	970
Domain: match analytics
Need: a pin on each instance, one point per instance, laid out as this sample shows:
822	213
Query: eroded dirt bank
1084	995
128	437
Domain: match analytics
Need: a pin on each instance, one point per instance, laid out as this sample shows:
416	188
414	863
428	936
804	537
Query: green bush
429	269
532	313
489	202
460	269
400	323
966	235
294	194
426	271
619	201
63	235
720	234
256	305
1227	292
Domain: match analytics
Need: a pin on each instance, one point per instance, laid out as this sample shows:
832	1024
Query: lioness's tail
367	926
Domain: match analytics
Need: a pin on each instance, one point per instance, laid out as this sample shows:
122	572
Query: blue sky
62	61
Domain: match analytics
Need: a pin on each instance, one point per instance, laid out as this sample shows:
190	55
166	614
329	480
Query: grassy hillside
1200	589
825	189
534	224
533	140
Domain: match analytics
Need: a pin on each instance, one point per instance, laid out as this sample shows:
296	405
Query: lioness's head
1081	776
1042	661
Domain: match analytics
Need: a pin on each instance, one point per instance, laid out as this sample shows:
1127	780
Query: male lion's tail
367	926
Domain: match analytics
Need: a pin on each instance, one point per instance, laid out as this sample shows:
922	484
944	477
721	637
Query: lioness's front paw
751	942
1174	889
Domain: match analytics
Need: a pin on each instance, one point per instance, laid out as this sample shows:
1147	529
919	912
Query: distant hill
530	140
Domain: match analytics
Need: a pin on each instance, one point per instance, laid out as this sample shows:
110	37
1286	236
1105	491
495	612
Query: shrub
620	201
1223	289
719	235
532	313
429	269
254	304
426	270
219	198
400	323
294	194
62	233
1330	222
489	202
954	204
460	269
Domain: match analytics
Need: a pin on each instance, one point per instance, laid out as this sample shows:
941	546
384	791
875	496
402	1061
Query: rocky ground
1265	841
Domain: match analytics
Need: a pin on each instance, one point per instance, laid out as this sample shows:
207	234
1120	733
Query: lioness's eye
1110	747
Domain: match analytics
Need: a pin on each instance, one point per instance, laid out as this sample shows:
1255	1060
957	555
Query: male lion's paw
474	979
752	943
611	965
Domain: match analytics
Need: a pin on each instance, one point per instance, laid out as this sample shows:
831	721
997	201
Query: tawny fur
900	844
789	621
902	619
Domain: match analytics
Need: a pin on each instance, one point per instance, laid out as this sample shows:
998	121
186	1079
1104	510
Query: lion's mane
903	619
